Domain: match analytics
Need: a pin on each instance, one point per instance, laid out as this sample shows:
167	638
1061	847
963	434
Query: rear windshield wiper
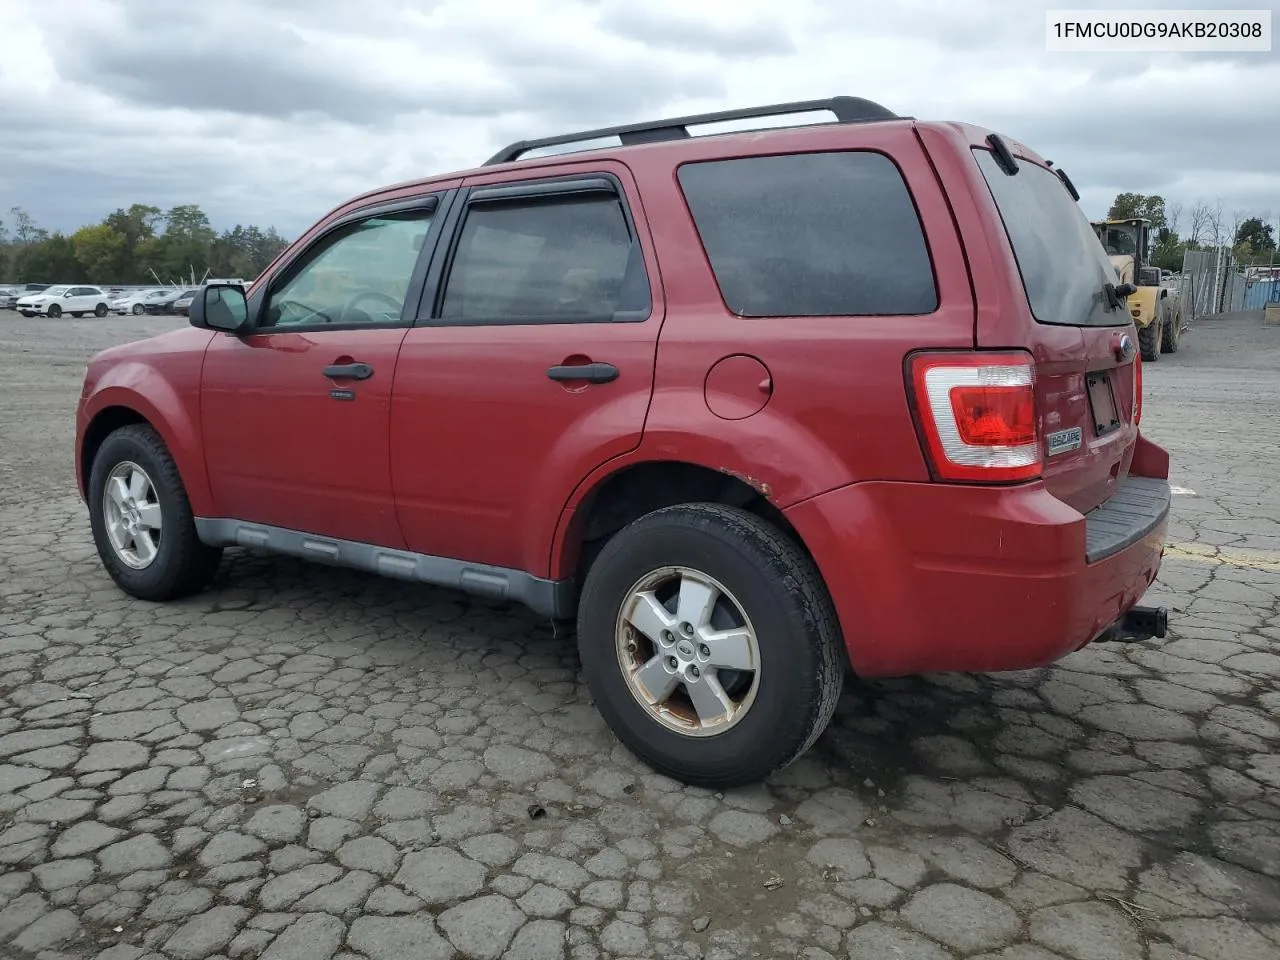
1116	293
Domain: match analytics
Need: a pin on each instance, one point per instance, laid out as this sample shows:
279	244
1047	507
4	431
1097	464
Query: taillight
1137	389
978	415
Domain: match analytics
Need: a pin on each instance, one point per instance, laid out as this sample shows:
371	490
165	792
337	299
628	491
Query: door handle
348	371
590	372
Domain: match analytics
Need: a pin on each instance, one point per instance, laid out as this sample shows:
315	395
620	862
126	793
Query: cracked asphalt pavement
309	764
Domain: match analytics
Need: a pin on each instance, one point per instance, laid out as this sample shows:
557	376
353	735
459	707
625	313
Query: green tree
1129	206
1169	252
183	250
1256	236
137	244
137	225
103	253
52	260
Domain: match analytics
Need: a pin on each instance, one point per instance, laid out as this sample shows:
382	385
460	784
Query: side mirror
220	306
67	295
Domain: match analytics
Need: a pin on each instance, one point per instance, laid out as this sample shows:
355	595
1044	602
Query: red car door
532	364
296	412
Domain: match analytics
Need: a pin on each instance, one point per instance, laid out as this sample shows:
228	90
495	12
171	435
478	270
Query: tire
55	311
1150	340
100	310
181	565
1172	331
138	310
800	664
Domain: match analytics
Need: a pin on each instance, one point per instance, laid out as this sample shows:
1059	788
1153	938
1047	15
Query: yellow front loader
1157	316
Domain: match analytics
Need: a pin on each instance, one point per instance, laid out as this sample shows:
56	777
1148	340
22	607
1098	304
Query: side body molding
552	598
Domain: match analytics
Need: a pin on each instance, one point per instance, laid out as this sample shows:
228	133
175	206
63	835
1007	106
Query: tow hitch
1140	623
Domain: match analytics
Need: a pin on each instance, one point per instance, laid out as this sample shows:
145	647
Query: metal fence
1258	293
1213	282
1200	287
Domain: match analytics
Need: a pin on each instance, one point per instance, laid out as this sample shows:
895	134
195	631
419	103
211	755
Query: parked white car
62	298
135	300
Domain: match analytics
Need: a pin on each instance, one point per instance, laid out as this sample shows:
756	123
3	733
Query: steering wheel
392	302
306	314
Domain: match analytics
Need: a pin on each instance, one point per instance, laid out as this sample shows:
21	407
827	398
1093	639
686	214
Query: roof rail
846	110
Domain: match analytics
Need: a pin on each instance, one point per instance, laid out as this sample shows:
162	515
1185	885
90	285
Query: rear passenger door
82	300
532	362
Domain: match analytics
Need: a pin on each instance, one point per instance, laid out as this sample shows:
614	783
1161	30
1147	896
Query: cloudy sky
272	111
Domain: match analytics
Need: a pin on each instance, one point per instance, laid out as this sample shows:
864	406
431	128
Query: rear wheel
100	310
1172	323
710	644
1150	339
141	519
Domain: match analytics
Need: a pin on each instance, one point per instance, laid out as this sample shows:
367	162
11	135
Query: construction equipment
1156	309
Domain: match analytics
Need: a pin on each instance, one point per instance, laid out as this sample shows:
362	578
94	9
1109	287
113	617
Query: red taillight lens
978	415
994	415
1137	388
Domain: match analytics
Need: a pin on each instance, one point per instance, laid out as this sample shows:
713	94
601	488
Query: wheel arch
114	407
630	491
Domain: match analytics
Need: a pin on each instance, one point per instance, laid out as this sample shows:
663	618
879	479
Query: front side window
359	274
550	259
811	234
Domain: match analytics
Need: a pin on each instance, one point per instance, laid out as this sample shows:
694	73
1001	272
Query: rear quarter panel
1063	354
838	411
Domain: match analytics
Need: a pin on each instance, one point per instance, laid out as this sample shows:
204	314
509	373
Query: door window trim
435	204
541	188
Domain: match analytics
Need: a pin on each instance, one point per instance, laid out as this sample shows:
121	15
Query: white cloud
272	111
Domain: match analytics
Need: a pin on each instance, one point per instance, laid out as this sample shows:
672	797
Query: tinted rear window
1063	266
811	234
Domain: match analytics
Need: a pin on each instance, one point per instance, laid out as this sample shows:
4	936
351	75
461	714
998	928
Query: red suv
747	408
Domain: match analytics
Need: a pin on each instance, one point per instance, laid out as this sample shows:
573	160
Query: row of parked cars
77	300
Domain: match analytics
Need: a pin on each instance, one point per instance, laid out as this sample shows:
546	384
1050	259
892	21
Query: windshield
1063	266
1119	239
54	291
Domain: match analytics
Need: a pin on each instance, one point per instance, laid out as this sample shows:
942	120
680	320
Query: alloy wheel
131	509
688	652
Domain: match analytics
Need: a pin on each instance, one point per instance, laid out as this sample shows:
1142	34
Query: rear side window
548	259
1064	267
811	234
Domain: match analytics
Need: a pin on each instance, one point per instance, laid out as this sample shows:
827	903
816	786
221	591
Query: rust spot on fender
760	486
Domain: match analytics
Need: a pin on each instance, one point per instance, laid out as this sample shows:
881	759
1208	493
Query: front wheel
138	309
142	521
55	311
710	644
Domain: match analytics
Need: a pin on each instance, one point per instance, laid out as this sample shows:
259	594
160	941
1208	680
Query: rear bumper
930	577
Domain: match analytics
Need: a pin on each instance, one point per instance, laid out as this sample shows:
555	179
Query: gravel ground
309	764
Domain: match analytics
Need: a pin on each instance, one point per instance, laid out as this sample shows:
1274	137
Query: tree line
1203	225
140	245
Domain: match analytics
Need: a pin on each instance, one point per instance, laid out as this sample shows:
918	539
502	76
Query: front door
532	365
296	412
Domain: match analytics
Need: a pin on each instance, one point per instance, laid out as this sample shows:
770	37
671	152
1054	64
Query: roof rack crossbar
845	109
